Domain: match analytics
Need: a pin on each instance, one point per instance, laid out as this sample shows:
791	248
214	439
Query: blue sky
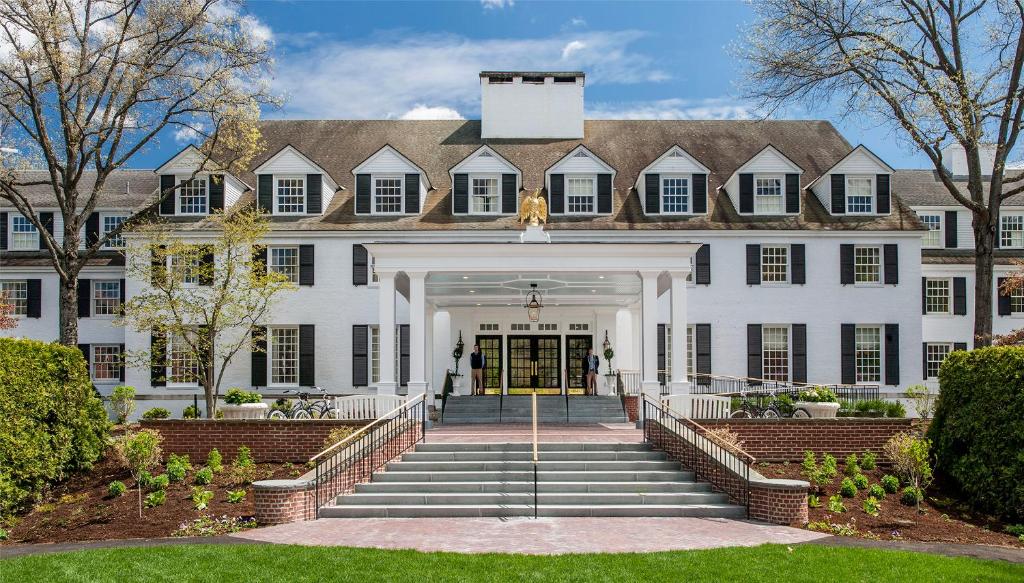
377	60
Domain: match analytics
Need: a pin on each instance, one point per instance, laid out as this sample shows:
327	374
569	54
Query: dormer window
675	194
485	198
24	236
580	194
193	198
768	199
860	195
387	194
290	195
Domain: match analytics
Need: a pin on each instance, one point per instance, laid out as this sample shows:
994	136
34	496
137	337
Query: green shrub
868	461
178	467
871	506
236	396
1015	529
876	491
830	466
214	461
157	498
870	405
895	410
201	497
910	457
204	476
159	482
3	534
52	422
116	489
282	405
847	488
860	481
190	412
852	467
978	428
891	484
911	496
244	457
818	395
156	413
236	496
144	480
835	504
122	402
137	452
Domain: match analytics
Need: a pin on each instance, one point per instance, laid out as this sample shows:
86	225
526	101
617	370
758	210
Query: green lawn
252	563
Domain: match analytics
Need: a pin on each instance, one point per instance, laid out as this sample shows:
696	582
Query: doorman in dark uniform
590	365
477	364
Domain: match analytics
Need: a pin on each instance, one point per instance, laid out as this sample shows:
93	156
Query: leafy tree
138	451
87	84
911	460
122	401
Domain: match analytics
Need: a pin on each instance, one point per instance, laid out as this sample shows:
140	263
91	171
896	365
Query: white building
783	251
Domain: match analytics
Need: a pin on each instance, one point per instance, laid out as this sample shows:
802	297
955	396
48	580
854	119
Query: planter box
245	411
818	410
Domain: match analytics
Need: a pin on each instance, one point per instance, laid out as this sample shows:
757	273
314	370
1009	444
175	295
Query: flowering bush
818	395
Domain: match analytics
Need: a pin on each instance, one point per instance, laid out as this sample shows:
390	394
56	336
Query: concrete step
527	486
549	466
526	456
483	446
527	476
543	498
508	510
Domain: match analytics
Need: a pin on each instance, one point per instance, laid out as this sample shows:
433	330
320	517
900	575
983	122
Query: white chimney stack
954	158
531	105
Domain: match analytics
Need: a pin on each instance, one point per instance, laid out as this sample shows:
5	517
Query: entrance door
534	362
575	349
490	347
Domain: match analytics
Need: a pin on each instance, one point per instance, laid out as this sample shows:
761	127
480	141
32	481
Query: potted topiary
818	402
243	405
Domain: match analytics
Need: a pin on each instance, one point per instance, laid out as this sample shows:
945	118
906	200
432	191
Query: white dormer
388	183
858	184
200	185
289	183
485	183
580	184
766	184
674	184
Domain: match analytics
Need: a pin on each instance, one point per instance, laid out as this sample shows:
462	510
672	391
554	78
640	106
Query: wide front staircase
497	480
577	409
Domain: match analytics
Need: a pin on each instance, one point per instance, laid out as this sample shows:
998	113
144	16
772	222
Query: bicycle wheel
301	414
771	413
277	415
801	413
740	414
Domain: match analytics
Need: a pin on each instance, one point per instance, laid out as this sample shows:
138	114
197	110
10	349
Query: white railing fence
363	407
698	406
630	381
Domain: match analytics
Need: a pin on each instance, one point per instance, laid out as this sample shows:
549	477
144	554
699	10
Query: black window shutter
84	348
1003	298
924	360
753	265
169	193
265	193
123	295
959	296
84	289
3	231
959	346
206	275
848	353
35	303
754	352
92	229
306	264
883	199
216	192
604	193
799	332
662	353
307	355
314	194
792	193
700	194
949	225
363	194
839	194
557	193
259	260
403	355
890	251
924	295
412	194
460	194
746	193
702	336
157	265
509	193
360	355
798	257
47	220
846	264
259	356
703	270
120	363
892	354
158	359
360	265
652	193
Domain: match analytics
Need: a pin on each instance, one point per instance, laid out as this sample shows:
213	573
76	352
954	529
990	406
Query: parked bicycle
777	408
303	408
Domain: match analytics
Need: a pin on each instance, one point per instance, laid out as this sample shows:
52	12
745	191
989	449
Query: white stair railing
698	406
364	407
630	381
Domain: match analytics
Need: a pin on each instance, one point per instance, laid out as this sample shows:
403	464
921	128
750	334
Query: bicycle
775	409
303	408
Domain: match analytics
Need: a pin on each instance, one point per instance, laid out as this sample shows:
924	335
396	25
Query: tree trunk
984	242
68	311
209	386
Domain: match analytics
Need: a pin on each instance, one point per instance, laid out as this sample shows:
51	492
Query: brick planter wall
779	501
270	440
632	408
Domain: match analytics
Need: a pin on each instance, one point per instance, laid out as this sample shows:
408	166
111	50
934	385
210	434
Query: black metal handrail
726	467
354	459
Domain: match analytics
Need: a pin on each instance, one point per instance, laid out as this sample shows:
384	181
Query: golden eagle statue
534	209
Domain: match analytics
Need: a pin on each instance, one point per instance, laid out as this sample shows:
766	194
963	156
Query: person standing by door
590	364
477	364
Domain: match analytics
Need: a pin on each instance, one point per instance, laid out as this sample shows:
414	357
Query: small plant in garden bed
871	506
868	461
177	467
891	484
214	461
204	476
156	413
813	501
835	504
834	528
911	496
236	496
847	488
116	489
852	467
137	452
876	491
860	481
201	497
154	499
244	457
209	526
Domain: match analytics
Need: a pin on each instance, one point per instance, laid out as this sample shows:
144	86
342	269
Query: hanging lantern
534	302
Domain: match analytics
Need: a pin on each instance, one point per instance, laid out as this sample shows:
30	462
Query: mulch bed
80	509
943	519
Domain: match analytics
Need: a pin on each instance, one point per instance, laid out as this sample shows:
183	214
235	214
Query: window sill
183	386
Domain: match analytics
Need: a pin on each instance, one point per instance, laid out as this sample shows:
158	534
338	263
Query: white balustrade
698	406
363	407
631	381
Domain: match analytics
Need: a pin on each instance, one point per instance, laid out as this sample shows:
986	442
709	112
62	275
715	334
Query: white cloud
578	22
716	108
497	4
426	112
572	47
189	134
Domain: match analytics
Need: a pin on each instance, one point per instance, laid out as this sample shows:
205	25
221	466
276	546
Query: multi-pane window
284	260
768	195
106	298
580	194
868	347
291	195
182	365
186	268
1017	301
484	197
935	353
106	362
1011	231
24	236
867	265
387	194
675	194
936	296
284	356
192	197
374	354
774	264
16	293
775	353
858	194
933	238
109	224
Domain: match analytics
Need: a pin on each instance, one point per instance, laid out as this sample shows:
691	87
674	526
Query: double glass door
534	362
490	347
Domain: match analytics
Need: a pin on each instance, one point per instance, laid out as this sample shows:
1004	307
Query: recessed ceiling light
600	277
593	291
472	291
465	277
478	304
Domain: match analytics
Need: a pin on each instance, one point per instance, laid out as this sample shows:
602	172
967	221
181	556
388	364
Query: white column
429	354
417	332
679	383
649	333
386	330
442	341
624	339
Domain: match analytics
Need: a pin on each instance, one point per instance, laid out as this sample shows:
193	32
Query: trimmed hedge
51	420
978	429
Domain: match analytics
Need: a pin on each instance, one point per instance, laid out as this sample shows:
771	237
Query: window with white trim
111	222
284	356
580	195
675	194
182	365
933	238
867	265
868	354
16	292
387	194
860	195
291	195
1011	231
936	296
691	350
106	362
192	197
774	263
484	199
1017	301
106	297
24	235
935	353
374	354
775	353
187	268
768	199
284	260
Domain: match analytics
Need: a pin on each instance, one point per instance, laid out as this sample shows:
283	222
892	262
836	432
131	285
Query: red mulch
80	509
943	519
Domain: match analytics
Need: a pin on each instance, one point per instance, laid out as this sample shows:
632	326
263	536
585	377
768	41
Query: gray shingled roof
924	188
966	256
123	189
